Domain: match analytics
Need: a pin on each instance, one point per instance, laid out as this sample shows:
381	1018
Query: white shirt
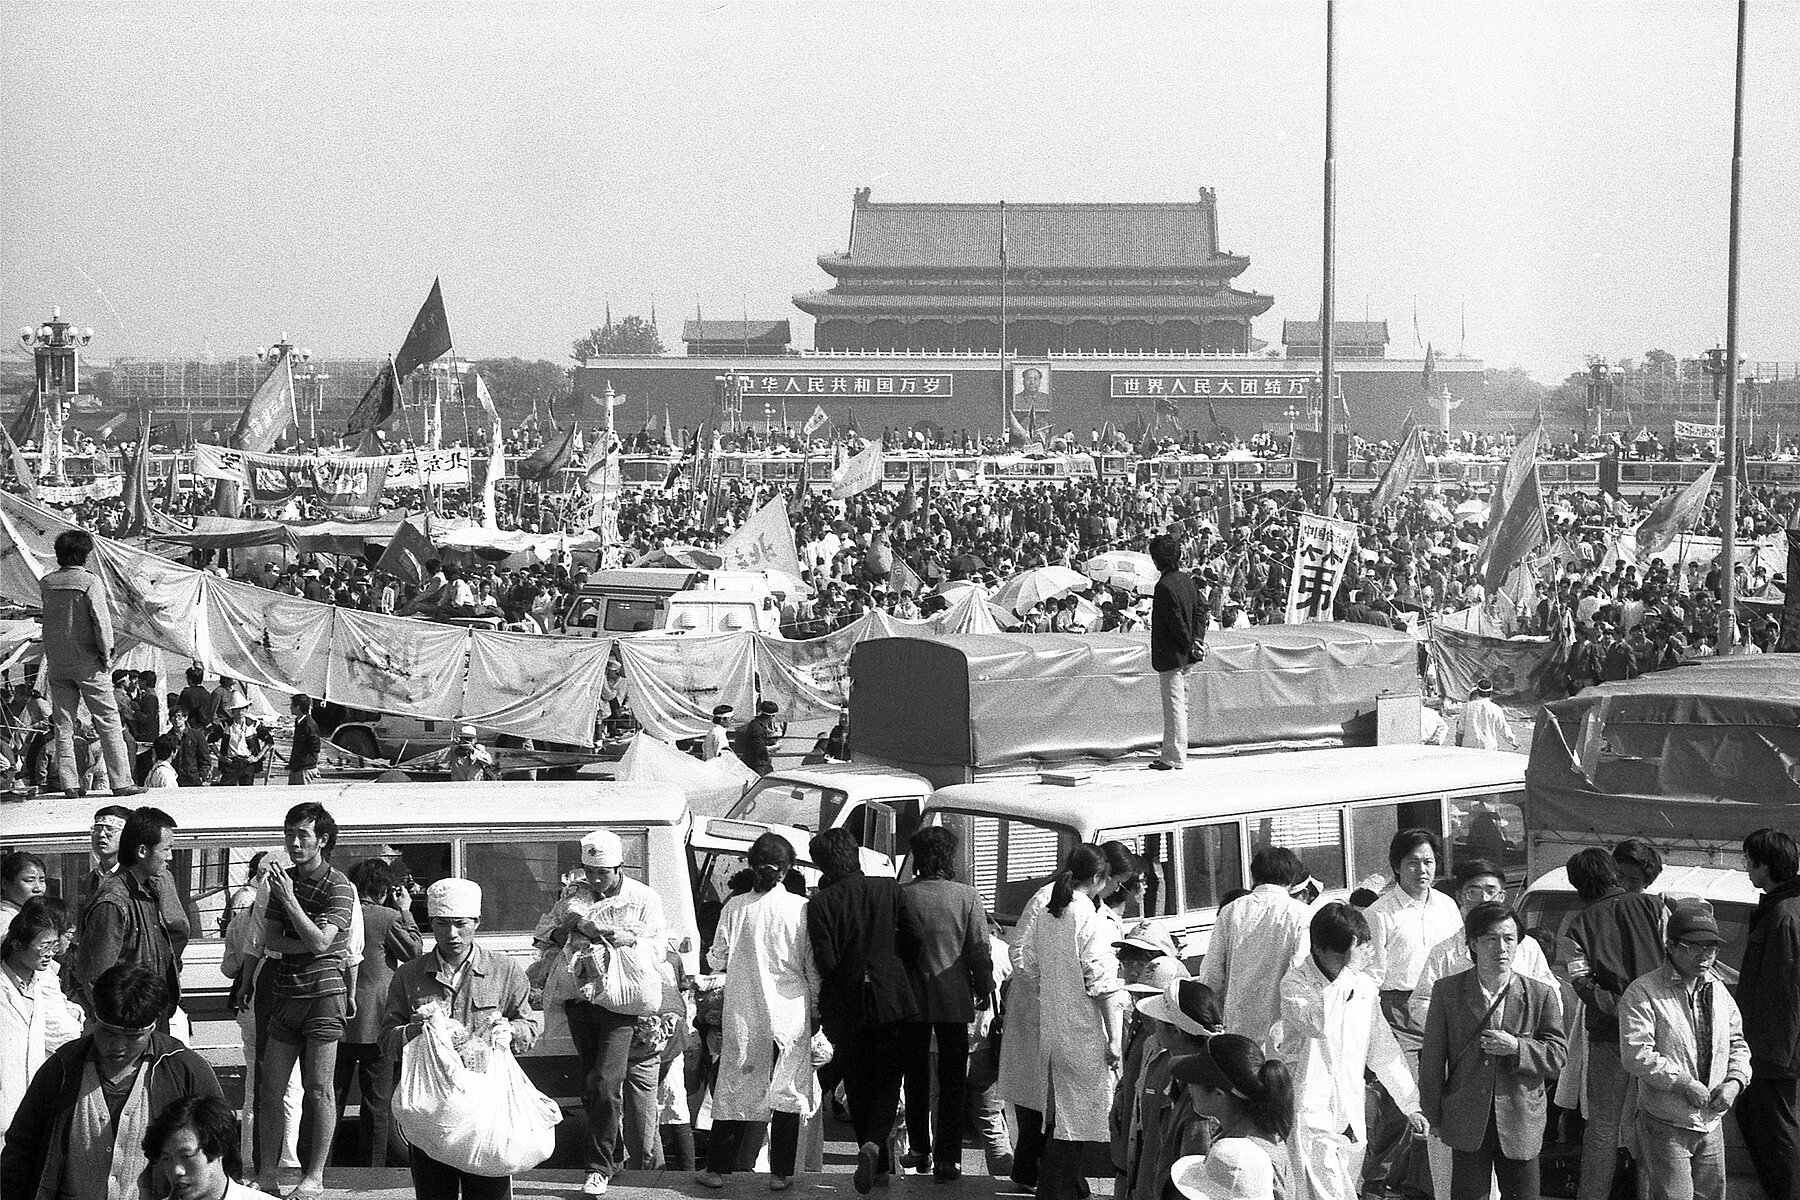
1331	1030
1451	957
1484	726
1402	932
1255	942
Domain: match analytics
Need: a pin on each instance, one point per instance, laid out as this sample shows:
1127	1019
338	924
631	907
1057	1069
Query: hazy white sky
188	175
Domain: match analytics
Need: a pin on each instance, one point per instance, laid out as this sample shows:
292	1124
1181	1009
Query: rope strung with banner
439	468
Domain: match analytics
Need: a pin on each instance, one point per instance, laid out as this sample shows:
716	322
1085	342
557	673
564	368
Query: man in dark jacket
853	922
1768	1111
1177	642
135	916
62	1141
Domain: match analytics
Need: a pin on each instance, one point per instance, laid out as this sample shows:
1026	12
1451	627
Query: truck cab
880	806
706	611
627	600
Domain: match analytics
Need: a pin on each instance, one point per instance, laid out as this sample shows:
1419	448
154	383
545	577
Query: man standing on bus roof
1177	642
78	659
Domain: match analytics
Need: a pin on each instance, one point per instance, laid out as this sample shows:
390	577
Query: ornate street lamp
55	349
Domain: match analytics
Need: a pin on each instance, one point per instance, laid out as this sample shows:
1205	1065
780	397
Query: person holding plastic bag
480	994
598	950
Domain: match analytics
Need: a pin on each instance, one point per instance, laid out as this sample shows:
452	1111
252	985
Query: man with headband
478	989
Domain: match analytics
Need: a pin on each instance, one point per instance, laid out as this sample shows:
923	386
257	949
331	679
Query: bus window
521	880
1157	899
1373	827
1212	864
417	865
1317	836
1490	827
1006	861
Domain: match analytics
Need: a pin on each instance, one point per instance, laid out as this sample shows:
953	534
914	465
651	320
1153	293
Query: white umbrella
951	586
1130	569
1038	585
1471	510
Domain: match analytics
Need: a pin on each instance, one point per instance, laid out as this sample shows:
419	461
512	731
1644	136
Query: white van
1337	809
517	839
881	806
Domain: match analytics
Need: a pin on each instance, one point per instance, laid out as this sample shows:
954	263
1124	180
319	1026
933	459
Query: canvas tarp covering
1708	752
1518	668
975	701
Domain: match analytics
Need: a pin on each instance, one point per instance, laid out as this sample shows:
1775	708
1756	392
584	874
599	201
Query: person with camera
469	759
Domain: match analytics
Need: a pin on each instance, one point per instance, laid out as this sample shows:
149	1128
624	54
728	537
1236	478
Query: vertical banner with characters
1322	549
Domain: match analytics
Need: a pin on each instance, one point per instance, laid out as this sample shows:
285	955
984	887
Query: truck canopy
1706	753
959	702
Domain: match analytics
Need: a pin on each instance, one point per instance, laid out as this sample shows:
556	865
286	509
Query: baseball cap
1693	921
466	734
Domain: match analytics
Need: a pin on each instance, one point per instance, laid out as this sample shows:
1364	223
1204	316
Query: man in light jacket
78	656
1681	1039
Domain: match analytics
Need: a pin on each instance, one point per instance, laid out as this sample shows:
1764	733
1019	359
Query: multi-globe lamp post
55	349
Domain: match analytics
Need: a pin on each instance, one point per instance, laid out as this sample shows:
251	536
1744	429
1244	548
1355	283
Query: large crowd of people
1077	1044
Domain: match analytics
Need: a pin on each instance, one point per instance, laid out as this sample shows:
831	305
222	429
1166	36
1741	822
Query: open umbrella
966	564
1038	585
679	555
1471	510
950	587
1132	570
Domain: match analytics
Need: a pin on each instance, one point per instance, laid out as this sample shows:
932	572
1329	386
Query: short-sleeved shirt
327	898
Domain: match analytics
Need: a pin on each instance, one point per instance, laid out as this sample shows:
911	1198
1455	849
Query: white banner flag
858	475
765	542
813	422
1322	549
1699	432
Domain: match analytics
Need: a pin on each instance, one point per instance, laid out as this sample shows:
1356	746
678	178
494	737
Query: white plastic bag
491	1122
623	980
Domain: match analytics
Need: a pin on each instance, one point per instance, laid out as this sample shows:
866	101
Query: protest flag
1519	531
859	474
378	401
1667	517
20	468
691	460
484	397
1402	472
813	422
429	336
764	542
550	457
270	409
406	554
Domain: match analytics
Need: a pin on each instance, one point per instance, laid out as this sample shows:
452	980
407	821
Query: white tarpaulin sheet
711	787
276	640
676	681
512	683
378	663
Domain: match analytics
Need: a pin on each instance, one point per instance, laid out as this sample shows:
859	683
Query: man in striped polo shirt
310	908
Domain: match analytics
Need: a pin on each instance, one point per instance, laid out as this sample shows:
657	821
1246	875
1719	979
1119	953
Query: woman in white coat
35	1018
765	1062
1020	1076
1081	1030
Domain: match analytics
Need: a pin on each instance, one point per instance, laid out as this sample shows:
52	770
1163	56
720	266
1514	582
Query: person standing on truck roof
1620	934
1177	642
78	656
759	738
1768	1111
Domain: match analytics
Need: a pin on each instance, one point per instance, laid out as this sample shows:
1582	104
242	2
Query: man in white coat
1331	1030
1258	938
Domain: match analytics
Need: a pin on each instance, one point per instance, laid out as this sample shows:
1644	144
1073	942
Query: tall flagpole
1327	303
1728	493
1005	378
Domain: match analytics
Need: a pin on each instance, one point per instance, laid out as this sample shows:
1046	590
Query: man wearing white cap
477	987
469	759
626	912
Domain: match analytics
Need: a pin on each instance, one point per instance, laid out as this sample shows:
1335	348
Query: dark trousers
603	1040
1395	1158
432	1180
378	1138
952	1072
727	1138
1062	1174
1768	1112
1470	1172
1029	1153
871	1065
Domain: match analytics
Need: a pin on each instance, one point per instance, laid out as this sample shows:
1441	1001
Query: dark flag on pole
550	458
1402	472
269	411
378	401
406	554
1790	605
691	459
428	337
1520	530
